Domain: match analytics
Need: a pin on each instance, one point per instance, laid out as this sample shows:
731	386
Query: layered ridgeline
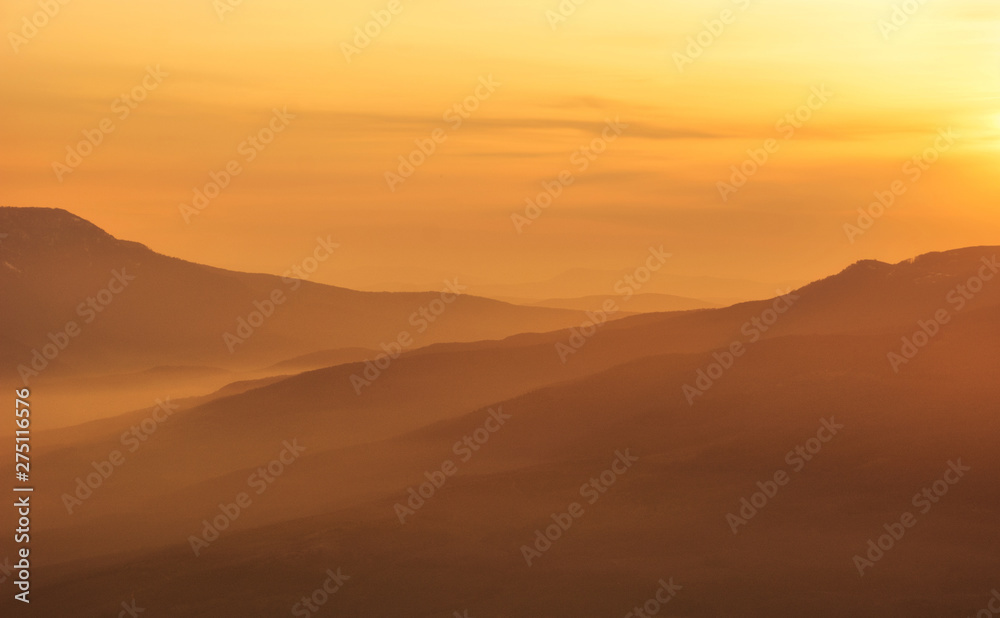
80	301
449	470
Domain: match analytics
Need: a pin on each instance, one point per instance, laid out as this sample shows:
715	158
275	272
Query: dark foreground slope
664	517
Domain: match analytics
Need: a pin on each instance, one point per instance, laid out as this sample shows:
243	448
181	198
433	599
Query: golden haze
657	184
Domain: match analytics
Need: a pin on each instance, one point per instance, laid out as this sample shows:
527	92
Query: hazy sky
553	84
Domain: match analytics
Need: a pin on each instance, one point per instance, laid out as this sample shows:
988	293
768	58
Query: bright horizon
552	91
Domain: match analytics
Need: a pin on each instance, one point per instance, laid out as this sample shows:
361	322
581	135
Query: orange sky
558	83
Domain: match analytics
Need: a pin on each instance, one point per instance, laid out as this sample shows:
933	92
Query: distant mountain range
636	303
587	282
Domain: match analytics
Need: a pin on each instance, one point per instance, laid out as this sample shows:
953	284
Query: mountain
584	282
821	353
174	312
592	282
637	303
84	303
664	518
